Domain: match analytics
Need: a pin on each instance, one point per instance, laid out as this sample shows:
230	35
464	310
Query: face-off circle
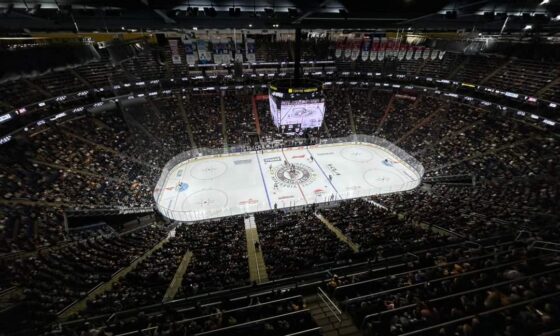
207	170
294	174
356	154
378	178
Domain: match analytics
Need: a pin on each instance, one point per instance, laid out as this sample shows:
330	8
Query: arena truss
202	184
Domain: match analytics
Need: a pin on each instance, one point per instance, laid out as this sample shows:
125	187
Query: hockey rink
229	184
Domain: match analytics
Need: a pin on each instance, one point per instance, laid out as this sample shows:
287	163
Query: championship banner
250	50
381	51
402	52
366	45
374	49
339	49
204	54
426	53
189	51
409	52
441	54
217	51
227	54
348	48
175	55
394	48
238	52
390	48
356	46
434	54
418	53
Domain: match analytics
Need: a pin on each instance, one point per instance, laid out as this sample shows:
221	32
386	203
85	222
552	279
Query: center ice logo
294	174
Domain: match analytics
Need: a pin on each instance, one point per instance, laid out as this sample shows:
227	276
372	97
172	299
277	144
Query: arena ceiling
105	15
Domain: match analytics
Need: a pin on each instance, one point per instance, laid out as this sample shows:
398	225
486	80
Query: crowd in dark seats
296	242
378	231
449	292
219	256
112	159
27	228
147	283
53	279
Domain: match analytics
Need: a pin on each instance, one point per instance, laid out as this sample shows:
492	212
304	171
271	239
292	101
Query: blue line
264	183
325	175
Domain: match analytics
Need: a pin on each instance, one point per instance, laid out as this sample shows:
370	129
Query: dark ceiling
114	15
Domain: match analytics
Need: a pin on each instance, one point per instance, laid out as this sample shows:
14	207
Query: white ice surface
248	182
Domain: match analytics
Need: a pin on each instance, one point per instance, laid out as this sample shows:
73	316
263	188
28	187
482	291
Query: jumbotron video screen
295	110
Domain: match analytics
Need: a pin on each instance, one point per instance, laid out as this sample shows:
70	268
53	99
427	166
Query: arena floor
216	186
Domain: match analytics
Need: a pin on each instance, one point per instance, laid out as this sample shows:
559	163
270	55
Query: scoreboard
295	108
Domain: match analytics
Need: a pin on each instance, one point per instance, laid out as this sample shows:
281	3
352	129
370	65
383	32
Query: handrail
183	321
494	285
488	312
239	309
288	283
551	332
253	322
350	285
304	332
420	284
554	247
329	299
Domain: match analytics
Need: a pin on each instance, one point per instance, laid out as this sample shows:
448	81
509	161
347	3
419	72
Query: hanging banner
238	52
409	52
366	45
356	46
190	52
418	53
189	45
426	53
175	55
348	48
381	51
390	48
434	54
339	49
250	50
227	54
402	52
216	51
441	54
374	49
204	53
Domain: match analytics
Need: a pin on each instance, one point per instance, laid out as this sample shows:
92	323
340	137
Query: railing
264	320
311	280
413	165
330	304
545	245
385	313
524	303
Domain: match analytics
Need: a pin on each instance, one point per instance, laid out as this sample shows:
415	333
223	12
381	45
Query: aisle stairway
257	267
355	247
329	320
175	284
81	304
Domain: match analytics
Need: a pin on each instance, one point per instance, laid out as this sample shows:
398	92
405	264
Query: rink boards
230	184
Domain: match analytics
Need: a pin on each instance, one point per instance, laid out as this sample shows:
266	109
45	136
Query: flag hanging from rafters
339	49
366	45
374	49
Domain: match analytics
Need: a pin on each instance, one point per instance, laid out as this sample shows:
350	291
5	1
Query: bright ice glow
230	184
